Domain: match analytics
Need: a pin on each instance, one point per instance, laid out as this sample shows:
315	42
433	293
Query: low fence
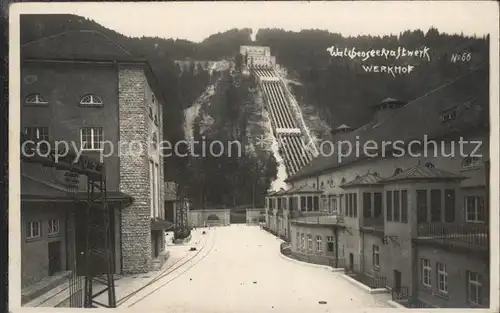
400	295
312	258
374	282
477	235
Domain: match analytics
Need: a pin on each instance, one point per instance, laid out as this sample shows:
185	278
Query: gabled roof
422	172
276	193
367	179
78	44
343	126
418	118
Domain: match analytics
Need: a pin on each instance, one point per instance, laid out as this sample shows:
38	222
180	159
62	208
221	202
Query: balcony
319	220
457	234
401	295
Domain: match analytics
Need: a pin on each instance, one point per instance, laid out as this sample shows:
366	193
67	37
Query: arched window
343	180
91	101
469	162
35	98
429	165
398	170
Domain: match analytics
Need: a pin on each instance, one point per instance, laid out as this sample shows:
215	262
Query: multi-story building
414	217
256	56
83	89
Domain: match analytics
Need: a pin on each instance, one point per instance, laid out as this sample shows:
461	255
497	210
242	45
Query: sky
197	20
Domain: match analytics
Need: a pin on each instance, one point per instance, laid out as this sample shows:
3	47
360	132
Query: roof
422	172
77	44
418	118
343	126
32	188
86	46
367	179
302	189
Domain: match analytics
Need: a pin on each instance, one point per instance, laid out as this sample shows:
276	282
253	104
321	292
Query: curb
394	304
364	287
326	267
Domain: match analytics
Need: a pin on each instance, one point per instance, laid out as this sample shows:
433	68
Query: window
404	206
156	177
474	288
436	205
298	240
421	206
396	205
38	133
152	188
329	243
333	205
429	165
53	227
302	242
33	230
91	138
309	242
449	205
316	203
471	162
319	244
388	204
426	272
303	203
377	204
449	116
156	120
91	101
376	256
153	98
367	205
154	140
474	209
355	208
397	171
442	278
35	98
322	185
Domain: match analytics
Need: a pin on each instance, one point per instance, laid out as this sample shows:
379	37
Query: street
239	268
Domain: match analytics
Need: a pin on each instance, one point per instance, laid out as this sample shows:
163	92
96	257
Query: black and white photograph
217	157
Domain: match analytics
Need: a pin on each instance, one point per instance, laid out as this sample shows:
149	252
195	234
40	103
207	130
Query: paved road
240	269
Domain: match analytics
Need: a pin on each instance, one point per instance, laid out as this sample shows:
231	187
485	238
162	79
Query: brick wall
134	171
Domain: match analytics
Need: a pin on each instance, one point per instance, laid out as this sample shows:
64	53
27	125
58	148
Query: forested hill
342	89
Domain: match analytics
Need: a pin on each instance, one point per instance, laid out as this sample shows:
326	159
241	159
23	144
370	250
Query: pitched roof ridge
78	31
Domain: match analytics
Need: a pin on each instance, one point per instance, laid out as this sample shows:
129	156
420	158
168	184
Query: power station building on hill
414	225
256	56
81	88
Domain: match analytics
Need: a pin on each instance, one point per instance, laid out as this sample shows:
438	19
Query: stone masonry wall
134	171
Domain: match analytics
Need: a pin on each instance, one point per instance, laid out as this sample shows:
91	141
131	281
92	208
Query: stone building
415	216
81	88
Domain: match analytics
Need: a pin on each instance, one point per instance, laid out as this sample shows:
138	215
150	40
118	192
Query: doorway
351	261
397	280
54	257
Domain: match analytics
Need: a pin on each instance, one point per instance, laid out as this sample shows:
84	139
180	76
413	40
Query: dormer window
471	162
429	165
150	112
322	185
448	116
397	171
91	101
156	120
35	98
342	181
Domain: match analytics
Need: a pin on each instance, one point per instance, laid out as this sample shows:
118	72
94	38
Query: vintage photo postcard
254	156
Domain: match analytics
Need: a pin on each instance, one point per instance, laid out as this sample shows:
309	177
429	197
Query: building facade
105	104
417	223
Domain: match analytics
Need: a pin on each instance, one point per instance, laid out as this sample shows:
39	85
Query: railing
400	294
285	248
317	259
477	235
370	281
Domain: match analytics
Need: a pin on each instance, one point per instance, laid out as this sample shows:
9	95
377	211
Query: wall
456	265
134	171
63	86
199	217
312	256
35	255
